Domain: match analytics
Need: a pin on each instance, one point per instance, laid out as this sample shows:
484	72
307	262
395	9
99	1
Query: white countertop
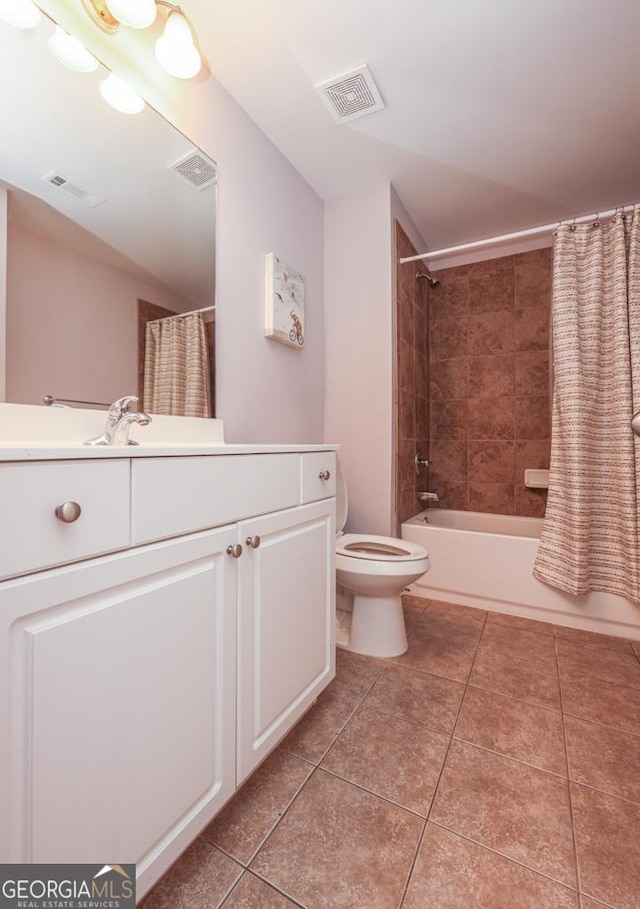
42	452
35	433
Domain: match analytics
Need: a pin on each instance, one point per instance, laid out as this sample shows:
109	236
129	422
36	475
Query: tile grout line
437	785
566	756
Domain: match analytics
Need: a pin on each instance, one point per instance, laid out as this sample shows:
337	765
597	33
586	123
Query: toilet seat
378	549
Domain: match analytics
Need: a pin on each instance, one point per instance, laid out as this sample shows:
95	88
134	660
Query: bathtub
486	560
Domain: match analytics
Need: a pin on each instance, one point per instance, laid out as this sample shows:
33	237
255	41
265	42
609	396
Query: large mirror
103	233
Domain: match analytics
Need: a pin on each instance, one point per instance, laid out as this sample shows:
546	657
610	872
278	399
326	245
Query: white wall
3	289
358	391
360	341
265	391
72	321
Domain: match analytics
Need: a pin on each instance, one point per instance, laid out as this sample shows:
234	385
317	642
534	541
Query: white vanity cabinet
139	689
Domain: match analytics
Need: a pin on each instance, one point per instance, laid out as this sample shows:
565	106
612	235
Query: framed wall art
284	303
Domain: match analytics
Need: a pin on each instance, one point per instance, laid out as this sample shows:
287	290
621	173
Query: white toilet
372	572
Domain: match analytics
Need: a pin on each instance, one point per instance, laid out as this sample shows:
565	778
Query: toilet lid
379	549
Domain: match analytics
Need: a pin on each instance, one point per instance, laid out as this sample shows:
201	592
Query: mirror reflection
109	229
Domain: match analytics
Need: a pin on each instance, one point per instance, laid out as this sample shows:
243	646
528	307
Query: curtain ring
572	226
596	223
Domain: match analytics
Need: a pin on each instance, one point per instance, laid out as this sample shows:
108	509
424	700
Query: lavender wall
265	391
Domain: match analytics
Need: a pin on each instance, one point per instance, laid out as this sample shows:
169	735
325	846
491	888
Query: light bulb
175	51
22	13
68	50
134	13
118	94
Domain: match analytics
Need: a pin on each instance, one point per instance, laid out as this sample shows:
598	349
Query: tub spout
429	497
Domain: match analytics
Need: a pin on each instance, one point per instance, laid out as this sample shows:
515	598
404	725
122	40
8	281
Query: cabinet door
118	713
286	606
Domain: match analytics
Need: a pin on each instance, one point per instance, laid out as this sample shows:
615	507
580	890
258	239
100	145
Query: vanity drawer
315	467
172	496
32	537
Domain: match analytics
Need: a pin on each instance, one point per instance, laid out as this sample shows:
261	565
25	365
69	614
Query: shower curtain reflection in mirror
176	367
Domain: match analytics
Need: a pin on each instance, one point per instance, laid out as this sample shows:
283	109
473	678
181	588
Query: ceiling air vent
196	169
351	96
57	180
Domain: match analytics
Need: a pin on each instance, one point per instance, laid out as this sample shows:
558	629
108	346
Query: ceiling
501	114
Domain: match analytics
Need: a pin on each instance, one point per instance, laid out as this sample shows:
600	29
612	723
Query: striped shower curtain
176	367
590	534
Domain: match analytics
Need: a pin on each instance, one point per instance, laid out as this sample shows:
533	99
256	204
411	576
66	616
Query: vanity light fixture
175	50
21	13
118	94
69	51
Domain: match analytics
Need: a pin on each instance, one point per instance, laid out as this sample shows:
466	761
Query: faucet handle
120	407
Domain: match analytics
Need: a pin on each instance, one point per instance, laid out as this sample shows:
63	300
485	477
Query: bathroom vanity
155	648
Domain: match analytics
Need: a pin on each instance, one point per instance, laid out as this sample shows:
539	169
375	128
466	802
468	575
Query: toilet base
377	627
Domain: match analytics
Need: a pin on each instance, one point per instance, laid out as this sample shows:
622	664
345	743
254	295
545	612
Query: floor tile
442	645
316	731
252	893
417	696
604	758
519	811
314	734
200	879
439	607
580	636
454	873
588	903
414	605
516	621
596	662
523	679
390	757
636	647
355	672
602	702
518	730
244	824
608	847
340	848
525	645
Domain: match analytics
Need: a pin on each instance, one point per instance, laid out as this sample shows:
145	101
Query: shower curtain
590	534
176	367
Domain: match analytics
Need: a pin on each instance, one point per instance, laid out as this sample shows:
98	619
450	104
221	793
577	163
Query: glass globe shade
21	13
118	94
68	50
134	13
175	51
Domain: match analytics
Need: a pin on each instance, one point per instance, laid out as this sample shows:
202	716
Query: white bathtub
486	560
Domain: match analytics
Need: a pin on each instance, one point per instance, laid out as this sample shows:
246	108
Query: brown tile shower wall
412	396
489	383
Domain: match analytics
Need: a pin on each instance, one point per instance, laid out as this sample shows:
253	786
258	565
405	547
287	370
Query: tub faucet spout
429	497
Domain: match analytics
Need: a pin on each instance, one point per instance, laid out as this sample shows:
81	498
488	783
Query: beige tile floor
495	765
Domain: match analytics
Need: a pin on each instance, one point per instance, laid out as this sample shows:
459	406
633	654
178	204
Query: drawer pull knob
325	474
253	542
235	551
68	512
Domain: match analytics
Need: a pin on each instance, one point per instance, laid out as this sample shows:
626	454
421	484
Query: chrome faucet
119	420
429	497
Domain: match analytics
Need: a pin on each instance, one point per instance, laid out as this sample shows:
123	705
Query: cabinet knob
68	512
253	542
235	551
325	474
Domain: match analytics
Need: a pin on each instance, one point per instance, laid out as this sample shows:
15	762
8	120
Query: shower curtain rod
517	235
181	315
